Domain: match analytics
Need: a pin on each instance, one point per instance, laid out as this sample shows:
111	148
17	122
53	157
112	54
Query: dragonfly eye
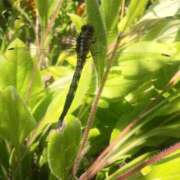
88	28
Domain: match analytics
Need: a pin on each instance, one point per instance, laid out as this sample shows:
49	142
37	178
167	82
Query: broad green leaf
139	63
99	48
16	121
63	145
19	70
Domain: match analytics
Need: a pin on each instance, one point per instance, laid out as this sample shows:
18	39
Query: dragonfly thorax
84	41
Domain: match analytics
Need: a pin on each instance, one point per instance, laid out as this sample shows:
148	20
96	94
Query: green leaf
62	148
140	62
19	70
110	13
99	49
16	121
140	59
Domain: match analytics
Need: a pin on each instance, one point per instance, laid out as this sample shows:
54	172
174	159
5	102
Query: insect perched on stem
83	44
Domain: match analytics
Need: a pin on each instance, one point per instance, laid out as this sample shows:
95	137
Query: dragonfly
84	41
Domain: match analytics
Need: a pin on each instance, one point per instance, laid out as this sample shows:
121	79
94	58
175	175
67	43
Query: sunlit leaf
62	148
16	121
19	70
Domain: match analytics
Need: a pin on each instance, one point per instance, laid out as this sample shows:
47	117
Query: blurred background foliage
37	61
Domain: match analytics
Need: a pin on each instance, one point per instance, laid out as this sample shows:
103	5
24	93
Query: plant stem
52	19
122	9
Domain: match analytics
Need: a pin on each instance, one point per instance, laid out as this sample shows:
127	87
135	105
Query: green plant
127	101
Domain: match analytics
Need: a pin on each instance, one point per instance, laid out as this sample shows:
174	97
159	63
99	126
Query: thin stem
37	40
52	19
152	160
92	113
122	9
44	35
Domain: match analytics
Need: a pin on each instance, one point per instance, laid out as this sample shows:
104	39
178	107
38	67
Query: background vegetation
124	120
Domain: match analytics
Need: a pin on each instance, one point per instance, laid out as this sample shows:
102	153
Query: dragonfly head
88	29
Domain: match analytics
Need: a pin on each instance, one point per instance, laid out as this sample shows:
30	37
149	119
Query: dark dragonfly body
83	44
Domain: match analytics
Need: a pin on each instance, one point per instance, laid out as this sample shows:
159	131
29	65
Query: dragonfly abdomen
83	44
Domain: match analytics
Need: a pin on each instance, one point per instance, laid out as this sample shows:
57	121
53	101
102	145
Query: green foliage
141	92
